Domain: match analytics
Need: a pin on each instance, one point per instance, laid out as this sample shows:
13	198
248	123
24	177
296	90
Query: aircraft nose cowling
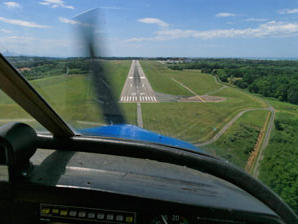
131	132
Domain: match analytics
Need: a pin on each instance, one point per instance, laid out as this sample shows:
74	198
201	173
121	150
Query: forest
270	78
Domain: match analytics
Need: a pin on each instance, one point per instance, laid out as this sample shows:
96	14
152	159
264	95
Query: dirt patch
162	97
205	98
24	69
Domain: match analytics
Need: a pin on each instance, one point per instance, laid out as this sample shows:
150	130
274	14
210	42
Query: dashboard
94	188
68	205
66	183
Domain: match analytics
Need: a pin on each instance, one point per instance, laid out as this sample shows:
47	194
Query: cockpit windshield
219	76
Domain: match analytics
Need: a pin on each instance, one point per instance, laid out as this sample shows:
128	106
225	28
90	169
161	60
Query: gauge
170	219
178	219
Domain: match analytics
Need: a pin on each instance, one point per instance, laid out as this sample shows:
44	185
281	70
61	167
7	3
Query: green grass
196	122
284	107
118	71
160	77
72	97
239	140
195	80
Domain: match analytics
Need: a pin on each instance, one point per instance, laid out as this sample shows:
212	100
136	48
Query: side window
12	112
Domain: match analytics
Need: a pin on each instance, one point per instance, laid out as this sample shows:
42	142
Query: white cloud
21	38
224	14
22	23
56	4
272	29
288	11
256	20
68	21
5	31
153	21
12	4
73	22
29	45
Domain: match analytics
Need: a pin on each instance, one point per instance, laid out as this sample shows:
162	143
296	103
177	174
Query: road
137	88
229	124
266	139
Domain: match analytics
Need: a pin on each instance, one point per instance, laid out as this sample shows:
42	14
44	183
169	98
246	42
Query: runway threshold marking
136	96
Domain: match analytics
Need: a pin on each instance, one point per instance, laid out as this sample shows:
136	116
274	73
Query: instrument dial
170	219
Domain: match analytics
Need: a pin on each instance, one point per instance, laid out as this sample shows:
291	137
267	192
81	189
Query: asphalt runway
137	88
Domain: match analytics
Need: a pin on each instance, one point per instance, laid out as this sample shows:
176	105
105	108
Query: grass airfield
73	98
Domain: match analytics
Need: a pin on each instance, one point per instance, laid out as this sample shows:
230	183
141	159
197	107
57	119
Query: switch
129	219
45	211
91	215
63	212
82	214
100	216
72	213
55	211
110	217
119	218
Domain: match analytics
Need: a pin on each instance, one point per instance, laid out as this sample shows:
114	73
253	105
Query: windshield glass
220	75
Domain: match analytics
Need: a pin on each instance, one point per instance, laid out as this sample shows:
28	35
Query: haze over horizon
191	28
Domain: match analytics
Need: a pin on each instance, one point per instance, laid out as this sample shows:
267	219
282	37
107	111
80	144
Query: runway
137	88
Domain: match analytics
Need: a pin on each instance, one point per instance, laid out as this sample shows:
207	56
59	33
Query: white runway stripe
138	99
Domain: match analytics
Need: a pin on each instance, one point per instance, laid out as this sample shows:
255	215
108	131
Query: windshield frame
22	92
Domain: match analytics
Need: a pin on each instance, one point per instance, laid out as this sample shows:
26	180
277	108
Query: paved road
139	115
137	88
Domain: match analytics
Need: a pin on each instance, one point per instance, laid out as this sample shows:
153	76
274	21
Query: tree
293	93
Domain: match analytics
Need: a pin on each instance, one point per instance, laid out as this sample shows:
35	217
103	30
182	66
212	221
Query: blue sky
190	28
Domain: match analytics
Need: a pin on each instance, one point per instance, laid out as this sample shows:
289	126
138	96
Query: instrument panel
61	214
56	213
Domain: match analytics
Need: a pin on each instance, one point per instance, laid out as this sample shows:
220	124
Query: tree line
41	67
